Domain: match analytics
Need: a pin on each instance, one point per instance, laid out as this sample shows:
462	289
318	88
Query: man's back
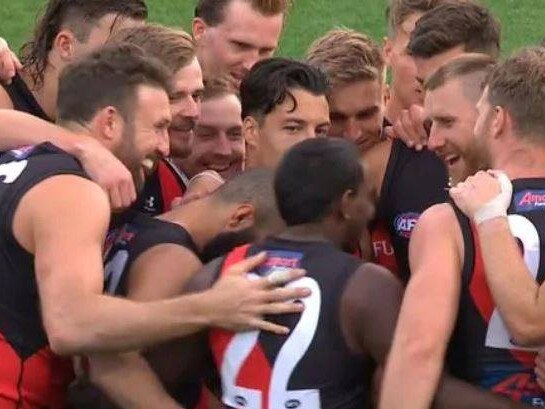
313	367
24	350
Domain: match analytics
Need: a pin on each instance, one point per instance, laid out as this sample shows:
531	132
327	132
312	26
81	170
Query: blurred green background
522	20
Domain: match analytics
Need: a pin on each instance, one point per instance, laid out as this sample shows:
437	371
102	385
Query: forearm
20	129
129	381
515	291
456	394
410	380
108	324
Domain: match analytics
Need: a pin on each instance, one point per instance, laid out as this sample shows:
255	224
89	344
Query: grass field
522	20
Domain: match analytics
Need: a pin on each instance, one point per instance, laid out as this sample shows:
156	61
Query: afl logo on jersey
404	224
529	200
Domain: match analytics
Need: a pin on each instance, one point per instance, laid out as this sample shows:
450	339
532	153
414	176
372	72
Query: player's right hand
240	303
9	63
108	171
410	128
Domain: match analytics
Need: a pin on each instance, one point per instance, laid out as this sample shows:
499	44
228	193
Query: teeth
148	164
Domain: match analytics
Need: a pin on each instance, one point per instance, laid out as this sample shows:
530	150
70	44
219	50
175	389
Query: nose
436	139
352	129
223	145
250	60
192	107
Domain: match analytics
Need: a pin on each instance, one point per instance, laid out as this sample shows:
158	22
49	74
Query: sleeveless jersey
160	189
137	234
312	367
22	98
481	349
31	376
413	182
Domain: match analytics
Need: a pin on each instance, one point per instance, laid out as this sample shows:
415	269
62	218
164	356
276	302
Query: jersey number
523	229
290	354
113	271
10	171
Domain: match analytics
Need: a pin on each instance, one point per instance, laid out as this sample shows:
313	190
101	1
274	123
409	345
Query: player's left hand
9	63
484	195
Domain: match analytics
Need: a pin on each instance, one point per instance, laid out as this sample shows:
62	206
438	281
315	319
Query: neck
525	160
312	232
46	92
190	216
393	108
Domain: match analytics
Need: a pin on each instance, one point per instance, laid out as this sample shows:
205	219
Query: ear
242	217
64	45
501	122
387	50
109	126
346	205
250	131
199	29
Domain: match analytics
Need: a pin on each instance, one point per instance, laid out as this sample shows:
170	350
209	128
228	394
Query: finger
401	134
248	264
128	194
409	128
418	119
269	327
286	294
115	198
281	308
280	277
16	61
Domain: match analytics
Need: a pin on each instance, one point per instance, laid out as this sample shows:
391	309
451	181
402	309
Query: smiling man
232	35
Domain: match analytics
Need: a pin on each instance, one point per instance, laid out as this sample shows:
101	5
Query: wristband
497	207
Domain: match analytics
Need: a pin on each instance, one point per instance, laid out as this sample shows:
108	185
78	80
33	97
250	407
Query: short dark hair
213	11
453	24
313	176
77	15
517	85
269	82
107	77
255	187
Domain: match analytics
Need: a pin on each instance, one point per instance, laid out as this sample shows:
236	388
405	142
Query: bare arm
520	300
428	313
128	379
369	310
78	318
19	129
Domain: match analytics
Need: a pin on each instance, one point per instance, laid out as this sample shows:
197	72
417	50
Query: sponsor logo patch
530	200
279	260
404	224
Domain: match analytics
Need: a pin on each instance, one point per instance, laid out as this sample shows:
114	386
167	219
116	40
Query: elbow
527	332
66	340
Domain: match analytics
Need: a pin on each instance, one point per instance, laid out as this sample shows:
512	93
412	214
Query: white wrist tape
497	207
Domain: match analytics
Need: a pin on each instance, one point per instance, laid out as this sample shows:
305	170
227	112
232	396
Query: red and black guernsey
22	98
137	234
312	367
161	188
31	376
413	182
482	351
